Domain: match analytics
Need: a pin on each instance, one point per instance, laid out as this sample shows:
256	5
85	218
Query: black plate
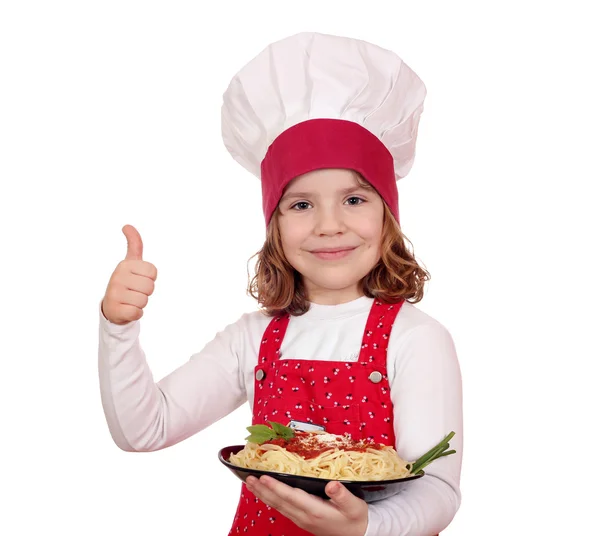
369	490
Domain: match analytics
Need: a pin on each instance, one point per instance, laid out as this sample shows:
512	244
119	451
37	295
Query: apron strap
273	339
376	337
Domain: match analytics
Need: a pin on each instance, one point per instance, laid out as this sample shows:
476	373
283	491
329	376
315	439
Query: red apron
351	397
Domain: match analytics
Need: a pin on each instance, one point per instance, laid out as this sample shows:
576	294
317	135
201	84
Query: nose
329	221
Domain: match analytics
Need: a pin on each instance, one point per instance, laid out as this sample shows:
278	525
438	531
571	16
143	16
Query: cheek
292	237
370	232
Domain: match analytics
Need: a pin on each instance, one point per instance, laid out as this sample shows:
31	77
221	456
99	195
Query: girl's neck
333	297
319	312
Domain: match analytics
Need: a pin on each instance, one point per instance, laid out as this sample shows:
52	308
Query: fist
131	283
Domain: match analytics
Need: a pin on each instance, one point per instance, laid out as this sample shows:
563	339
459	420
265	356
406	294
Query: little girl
328	124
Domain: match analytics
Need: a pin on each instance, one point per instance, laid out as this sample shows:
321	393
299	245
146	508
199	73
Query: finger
131	313
348	504
147	269
133	298
271	499
294	496
135	246
134	282
291	502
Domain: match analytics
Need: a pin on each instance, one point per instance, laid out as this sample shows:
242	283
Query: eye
355	200
301	205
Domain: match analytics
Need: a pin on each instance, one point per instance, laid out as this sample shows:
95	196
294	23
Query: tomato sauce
308	446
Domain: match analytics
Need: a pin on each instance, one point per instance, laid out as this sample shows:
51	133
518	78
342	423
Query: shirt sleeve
427	395
143	415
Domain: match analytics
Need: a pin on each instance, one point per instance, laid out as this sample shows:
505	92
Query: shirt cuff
373	522
115	329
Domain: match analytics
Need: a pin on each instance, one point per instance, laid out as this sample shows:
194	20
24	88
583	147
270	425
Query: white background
110	114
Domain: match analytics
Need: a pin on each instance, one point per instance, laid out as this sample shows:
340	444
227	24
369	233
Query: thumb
341	497
134	243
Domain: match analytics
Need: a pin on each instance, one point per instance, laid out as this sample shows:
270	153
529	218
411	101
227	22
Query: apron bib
343	397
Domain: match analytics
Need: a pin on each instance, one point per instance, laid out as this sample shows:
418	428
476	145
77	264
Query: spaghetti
322	455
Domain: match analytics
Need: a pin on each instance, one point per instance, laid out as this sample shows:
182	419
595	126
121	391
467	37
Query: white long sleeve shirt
423	370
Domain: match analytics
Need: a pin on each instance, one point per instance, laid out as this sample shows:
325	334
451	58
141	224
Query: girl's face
331	230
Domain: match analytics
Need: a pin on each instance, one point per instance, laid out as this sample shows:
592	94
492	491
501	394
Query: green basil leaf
289	433
259	438
259	429
281	430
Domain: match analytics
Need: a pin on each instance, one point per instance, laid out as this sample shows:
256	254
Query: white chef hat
313	101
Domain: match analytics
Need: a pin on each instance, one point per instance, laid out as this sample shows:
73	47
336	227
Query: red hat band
327	143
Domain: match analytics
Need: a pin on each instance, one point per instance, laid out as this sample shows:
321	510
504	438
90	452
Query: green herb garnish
436	452
261	433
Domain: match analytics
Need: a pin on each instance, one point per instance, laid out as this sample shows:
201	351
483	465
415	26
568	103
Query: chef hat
314	101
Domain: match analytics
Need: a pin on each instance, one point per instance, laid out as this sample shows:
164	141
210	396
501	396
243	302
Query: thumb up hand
131	283
135	247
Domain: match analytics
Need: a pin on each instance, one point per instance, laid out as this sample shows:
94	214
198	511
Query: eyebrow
344	191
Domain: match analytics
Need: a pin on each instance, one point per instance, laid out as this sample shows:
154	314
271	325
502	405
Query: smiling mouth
332	253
